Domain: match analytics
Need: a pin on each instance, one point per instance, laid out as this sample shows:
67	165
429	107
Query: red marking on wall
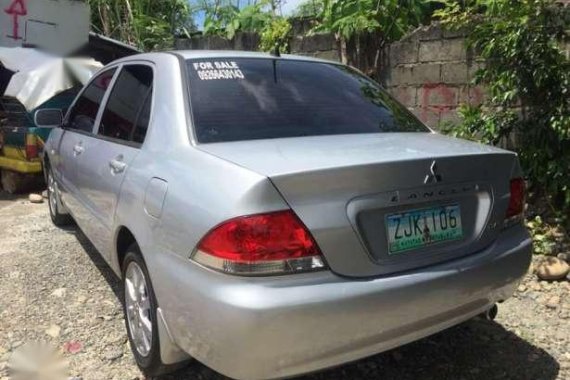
436	98
16	9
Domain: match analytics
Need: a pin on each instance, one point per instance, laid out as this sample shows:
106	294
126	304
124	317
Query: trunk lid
344	188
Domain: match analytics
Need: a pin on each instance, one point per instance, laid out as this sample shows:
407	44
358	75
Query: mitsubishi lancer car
271	216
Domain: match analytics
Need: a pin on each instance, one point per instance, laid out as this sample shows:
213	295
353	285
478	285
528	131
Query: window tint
84	112
248	98
143	119
126	113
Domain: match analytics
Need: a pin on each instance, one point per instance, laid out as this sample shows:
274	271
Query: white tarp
40	76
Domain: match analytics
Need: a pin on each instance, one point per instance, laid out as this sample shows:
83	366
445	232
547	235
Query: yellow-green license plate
419	228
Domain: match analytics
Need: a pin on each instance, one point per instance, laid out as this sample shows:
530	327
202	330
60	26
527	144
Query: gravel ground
54	287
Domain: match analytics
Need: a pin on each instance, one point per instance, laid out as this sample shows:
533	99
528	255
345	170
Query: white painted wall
59	26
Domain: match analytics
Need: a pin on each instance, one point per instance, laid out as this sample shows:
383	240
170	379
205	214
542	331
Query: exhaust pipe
491	313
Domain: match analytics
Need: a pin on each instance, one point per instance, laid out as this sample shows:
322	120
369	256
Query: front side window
252	98
127	111
83	114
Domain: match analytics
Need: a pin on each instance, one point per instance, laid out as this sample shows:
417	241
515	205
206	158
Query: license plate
419	228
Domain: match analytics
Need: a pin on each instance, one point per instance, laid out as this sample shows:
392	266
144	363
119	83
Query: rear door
78	126
110	151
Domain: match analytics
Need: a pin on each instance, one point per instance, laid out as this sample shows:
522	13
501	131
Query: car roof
197	54
206	54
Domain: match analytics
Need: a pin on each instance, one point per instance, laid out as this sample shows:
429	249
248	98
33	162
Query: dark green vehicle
22	141
33	79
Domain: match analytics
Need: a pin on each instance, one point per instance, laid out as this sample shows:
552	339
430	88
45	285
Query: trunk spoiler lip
295	155
284	173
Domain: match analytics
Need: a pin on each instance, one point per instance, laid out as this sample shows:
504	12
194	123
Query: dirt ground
54	287
7	199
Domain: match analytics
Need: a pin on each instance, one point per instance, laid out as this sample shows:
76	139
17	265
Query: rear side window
83	114
142	120
249	98
127	111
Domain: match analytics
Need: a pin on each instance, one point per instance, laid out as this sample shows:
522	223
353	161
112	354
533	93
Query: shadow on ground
105	270
6	198
477	349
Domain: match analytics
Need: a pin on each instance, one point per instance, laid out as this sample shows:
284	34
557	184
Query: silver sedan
275	215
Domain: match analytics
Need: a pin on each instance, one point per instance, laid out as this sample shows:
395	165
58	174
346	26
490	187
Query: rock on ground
552	268
35	198
54	286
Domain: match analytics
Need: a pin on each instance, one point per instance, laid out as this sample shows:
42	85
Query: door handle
117	166
78	149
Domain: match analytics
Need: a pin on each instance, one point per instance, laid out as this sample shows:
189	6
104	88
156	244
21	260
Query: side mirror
48	117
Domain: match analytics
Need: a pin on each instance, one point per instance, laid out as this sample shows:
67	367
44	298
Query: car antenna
274	70
275	52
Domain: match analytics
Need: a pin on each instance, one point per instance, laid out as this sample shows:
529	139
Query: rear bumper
265	328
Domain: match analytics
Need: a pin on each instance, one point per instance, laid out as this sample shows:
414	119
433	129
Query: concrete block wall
430	72
319	45
322	46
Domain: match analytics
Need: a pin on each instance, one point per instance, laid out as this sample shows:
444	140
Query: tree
309	9
226	18
387	19
528	80
146	24
275	35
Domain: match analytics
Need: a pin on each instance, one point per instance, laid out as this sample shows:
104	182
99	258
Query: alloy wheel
52	194
138	308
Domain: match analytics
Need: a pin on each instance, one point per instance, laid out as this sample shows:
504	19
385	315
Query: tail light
516	201
272	243
31	147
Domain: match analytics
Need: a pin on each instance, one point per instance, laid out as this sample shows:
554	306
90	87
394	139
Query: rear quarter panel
202	191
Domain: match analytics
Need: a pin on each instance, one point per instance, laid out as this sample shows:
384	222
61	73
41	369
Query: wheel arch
124	239
170	352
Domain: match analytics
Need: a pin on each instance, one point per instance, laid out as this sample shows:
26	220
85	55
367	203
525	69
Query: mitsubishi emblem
433	177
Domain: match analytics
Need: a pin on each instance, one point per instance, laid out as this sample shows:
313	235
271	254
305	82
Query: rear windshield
249	98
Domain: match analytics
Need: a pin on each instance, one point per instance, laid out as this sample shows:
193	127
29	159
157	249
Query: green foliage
221	21
386	20
528	79
391	18
487	127
226	19
309	8
146	24
276	35
543	237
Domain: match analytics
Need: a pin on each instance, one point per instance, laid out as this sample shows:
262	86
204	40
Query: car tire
58	218
139	307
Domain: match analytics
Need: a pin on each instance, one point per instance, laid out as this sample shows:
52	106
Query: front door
104	165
